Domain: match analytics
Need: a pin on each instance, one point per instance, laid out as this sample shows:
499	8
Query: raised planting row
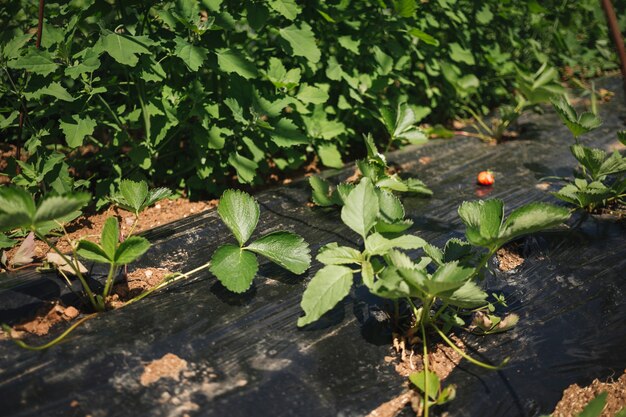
233	343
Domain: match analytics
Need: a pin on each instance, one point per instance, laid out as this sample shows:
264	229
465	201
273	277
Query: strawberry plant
599	179
135	196
374	168
236	265
440	287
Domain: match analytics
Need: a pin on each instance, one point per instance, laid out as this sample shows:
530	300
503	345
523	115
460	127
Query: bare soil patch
169	366
44	319
575	397
509	258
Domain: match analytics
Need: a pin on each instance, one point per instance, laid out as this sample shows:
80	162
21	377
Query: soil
615	209
575	397
90	226
135	283
45	318
169	366
509	258
442	360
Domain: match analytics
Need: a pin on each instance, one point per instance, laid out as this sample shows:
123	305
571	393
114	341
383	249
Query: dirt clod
575	397
45	318
169	366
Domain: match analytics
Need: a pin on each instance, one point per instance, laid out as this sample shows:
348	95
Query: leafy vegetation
375	169
440	287
599	179
190	93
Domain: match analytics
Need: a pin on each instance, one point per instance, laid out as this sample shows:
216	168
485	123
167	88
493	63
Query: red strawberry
485	178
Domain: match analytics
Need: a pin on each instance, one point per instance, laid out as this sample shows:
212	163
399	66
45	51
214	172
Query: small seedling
375	169
135	196
110	251
401	126
599	179
235	266
532	89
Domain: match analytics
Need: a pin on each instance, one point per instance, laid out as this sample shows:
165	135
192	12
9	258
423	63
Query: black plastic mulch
247	357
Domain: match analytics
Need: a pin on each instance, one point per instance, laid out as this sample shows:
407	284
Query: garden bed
242	355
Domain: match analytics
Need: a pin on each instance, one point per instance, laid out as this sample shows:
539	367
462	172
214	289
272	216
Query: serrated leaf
423	36
157	194
287	134
482	221
360	208
245	167
17	208
54	89
36	61
468	296
90	62
590	158
110	237
448	277
578	125
531	218
333	254
376	244
302	41
123	48
57	207
234	267
286	249
614	164
240	213
76	129
330	155
6	242
320	192
193	56
287	8
405	8
131	249
391	209
328	287
312	94
92	252
231	61
134	194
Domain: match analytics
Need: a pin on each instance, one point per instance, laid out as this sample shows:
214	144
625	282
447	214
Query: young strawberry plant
375	169
599	179
235	266
438	288
135	196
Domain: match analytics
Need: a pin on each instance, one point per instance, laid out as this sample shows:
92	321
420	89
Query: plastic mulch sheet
246	357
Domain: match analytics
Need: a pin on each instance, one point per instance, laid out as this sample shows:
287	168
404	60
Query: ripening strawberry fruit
485	178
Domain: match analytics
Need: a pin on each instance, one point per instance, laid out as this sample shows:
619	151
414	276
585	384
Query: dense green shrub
189	93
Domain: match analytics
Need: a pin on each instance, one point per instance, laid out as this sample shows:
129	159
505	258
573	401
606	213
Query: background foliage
190	94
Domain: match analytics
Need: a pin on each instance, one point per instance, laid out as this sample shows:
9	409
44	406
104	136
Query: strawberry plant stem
76	269
426	366
7	329
166	281
465	355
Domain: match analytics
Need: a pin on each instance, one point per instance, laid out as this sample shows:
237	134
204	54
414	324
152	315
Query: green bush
190	93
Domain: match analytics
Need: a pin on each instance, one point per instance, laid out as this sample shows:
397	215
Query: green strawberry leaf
234	267
110	236
333	254
240	213
286	249
57	207
532	218
482	221
328	287
360	208
131	249
92	252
